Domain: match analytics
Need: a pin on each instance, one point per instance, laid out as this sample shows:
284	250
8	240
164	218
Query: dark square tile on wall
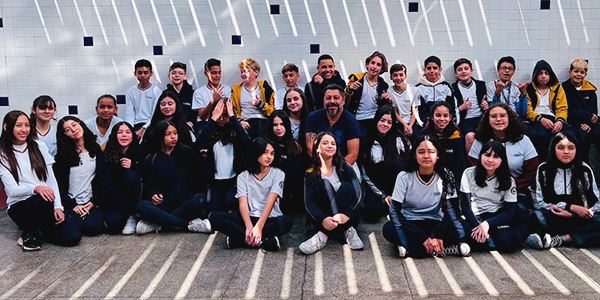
275	9
158	50
88	41
314	48
73	109
3	101
413	6
545	4
236	39
1	24
120	99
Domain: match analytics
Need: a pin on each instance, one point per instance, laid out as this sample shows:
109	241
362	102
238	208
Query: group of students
231	159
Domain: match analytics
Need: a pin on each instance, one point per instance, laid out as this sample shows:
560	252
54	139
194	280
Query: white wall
42	52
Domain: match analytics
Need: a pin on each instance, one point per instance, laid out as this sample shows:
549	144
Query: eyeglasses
507	69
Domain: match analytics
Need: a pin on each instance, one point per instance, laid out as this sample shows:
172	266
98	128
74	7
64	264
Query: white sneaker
144	227
462	249
199	225
130	226
314	244
402	252
353	239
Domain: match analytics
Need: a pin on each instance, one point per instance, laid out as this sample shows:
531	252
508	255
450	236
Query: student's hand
557	127
44	191
355	86
340	218
500	86
466	105
126	163
594	119
388	200
80	210
157	199
140	133
582	212
438	245
190	124
245	125
218	111
248	239
586	128
484	104
408	130
229	106
255	102
547	123
428	246
217	94
480	233
523	87
59	216
318	79
88	206
560	212
386	97
329	223
256	235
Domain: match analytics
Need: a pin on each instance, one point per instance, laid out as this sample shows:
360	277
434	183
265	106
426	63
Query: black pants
364	127
413	231
232	225
585	139
342	200
91	225
176	215
293	188
504	238
222	195
540	136
257	127
583	232
116	214
469	125
374	206
35	214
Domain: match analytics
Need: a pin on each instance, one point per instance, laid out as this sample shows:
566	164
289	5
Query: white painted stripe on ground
384	279
487	284
25	280
319	282
161	273
576	270
117	288
449	277
557	284
86	285
416	277
586	252
6	270
253	283
350	275
513	274
218	291
189	279
287	273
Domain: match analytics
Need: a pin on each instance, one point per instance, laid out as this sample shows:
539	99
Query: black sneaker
271	244
231	244
30	243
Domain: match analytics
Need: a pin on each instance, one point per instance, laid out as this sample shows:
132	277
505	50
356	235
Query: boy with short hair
290	75
432	87
403	98
252	99
470	97
583	107
326	75
141	98
505	91
184	91
209	94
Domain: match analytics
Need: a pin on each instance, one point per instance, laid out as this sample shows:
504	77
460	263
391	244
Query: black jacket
480	90
314	92
186	96
354	101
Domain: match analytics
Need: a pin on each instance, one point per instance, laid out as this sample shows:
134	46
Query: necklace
543	93
250	90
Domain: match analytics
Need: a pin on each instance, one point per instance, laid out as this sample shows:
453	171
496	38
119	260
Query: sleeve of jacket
149	178
562	107
352	178
203	139
351	79
62	178
312	208
236	94
267	106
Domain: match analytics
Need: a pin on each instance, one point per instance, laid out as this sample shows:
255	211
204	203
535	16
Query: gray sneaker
534	241
199	225
130	226
314	244
353	239
144	227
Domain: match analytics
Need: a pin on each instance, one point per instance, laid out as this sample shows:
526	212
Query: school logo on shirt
515	154
513	190
495	191
281	184
449	150
436	193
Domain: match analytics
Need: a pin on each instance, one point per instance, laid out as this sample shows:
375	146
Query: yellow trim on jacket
353	78
587	86
236	94
561	111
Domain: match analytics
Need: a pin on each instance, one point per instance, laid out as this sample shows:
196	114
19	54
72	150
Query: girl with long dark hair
440	124
297	109
42	116
34	201
333	196
75	171
287	159
567	196
500	123
223	139
171	185
118	171
383	153
425	210
260	222
489	201
169	108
